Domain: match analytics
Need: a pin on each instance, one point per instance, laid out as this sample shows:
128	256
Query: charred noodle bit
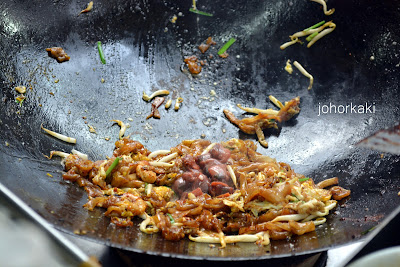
232	174
156	93
323	3
168	104
154	108
59	136
88	8
264	120
20	89
196	195
288	67
123	128
305	73
58	53
178	102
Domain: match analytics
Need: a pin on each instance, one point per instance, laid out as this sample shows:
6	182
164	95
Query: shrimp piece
142	170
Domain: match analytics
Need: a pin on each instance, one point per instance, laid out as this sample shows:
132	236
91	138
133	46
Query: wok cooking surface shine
144	51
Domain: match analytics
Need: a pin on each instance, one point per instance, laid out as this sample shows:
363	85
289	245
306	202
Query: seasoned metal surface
356	65
386	140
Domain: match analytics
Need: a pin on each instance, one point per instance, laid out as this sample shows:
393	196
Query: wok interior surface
144	51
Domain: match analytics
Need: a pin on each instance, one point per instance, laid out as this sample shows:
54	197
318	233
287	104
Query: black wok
144	52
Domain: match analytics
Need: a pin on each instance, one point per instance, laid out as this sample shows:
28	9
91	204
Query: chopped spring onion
368	230
113	165
226	46
162	164
196	11
310	37
304	179
315	26
171	218
59	136
20	100
101	54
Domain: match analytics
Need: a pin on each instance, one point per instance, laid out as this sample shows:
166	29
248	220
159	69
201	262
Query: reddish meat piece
154	108
221	153
218	188
190	162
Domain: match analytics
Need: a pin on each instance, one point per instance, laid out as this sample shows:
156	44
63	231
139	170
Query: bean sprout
325	8
57	153
80	154
290	217
208	148
292	42
305	73
59	136
161	164
158	152
122	130
258	111
288	67
178	101
156	93
169	157
276	101
331	25
232	175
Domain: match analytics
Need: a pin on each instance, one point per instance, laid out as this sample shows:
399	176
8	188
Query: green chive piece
368	230
20	101
310	37
113	165
171	218
304	179
315	25
200	12
226	46
101	52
